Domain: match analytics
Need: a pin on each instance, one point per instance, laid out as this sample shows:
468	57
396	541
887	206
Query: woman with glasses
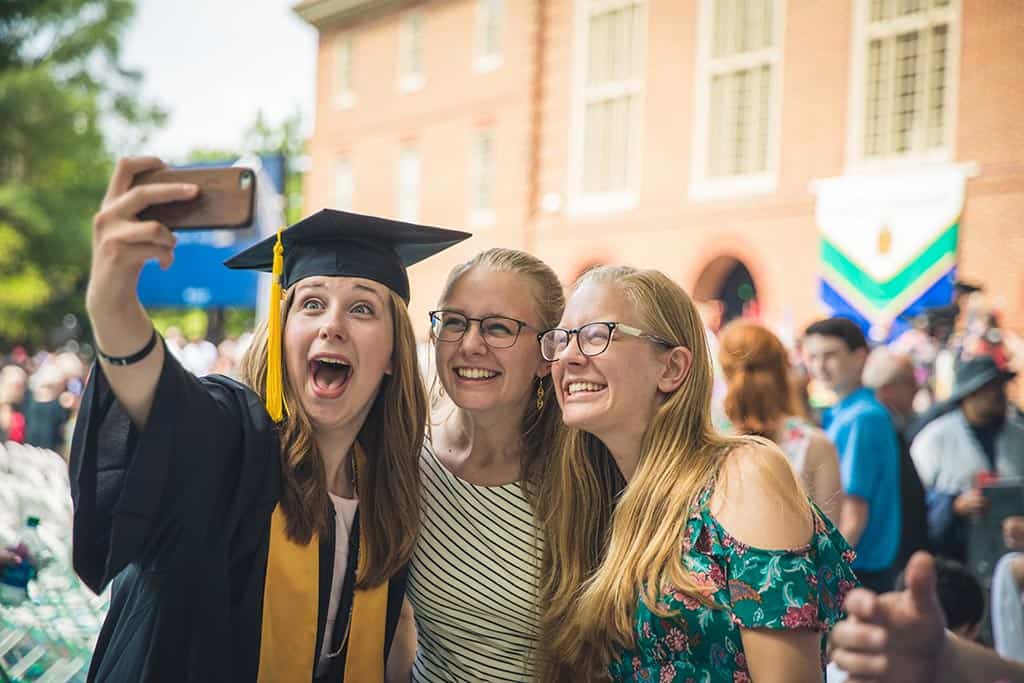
473	577
710	563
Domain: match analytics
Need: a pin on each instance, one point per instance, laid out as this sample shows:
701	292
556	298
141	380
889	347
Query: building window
410	52
409	185
483	178
344	185
606	137
489	15
344	97
738	95
905	80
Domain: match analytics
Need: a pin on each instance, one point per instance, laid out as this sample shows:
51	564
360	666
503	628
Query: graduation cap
336	243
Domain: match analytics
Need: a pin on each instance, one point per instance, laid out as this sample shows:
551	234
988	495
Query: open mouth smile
476	374
581	390
329	376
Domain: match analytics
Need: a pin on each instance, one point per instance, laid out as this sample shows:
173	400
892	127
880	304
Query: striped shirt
472	580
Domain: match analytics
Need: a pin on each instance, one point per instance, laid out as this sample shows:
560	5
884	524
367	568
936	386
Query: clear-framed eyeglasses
592	339
497	331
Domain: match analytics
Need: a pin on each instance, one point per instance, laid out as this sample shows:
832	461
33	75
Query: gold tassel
275	388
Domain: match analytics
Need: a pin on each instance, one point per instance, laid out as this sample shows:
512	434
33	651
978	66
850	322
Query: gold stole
291	601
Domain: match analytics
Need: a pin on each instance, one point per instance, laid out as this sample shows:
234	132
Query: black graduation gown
178	516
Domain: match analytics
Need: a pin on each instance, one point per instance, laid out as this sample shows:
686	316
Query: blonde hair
392	435
600	553
540	427
756	367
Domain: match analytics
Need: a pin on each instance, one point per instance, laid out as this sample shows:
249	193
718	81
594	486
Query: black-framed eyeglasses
497	331
592	339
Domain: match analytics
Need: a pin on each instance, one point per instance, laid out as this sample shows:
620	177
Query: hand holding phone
225	198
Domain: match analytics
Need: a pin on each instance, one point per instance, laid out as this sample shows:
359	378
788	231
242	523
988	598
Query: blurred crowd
40	392
922	438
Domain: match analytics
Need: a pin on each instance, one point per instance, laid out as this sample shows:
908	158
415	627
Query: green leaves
61	85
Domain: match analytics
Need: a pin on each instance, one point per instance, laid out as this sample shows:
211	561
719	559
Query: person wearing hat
254	531
980	434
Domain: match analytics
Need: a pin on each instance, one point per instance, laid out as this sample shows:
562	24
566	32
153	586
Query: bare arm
853	518
751	502
782	656
121	244
827	485
965	662
403	647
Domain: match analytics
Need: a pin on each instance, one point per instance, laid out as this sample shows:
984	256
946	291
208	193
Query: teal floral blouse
796	589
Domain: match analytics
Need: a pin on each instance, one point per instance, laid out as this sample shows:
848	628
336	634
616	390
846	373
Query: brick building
686	135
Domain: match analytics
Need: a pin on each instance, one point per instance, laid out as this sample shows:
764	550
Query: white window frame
704	187
409	184
609	202
855	131
410	30
343	165
489	57
482	216
344	95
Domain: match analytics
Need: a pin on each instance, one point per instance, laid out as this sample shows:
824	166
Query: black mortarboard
340	243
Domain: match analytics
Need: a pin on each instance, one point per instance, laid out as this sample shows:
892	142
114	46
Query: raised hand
895	636
121	243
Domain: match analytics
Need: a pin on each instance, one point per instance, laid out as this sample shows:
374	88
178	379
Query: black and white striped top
472	580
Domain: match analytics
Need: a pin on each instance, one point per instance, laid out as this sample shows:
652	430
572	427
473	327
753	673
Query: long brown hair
540	427
601	552
756	366
392	435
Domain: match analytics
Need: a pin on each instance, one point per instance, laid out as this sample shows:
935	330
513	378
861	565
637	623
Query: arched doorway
727	281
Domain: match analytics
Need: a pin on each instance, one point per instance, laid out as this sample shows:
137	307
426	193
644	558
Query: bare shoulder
759	499
819	446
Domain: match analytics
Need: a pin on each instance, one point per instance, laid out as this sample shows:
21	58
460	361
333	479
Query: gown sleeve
132	489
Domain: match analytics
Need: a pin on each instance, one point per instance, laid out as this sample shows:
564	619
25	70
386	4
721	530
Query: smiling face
338	341
617	390
831	361
478	378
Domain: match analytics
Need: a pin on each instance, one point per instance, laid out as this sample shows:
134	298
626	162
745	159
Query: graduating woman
254	531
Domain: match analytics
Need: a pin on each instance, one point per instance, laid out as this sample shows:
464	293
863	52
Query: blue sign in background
198	277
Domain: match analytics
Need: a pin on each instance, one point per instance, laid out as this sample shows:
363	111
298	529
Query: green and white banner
889	245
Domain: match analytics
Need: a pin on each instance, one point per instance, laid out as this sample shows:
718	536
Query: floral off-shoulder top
796	589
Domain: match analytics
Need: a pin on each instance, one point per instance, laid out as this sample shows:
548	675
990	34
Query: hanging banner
889	245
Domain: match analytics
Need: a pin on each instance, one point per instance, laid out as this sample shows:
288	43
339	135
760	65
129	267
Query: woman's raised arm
121	244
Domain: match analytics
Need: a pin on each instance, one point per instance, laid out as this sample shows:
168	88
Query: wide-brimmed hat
971	375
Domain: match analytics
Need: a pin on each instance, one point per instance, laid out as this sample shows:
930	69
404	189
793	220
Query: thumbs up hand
895	636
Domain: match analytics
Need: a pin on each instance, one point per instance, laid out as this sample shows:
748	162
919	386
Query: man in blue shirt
869	455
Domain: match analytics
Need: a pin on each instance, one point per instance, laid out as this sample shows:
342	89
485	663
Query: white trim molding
620	194
488	47
921	152
706	184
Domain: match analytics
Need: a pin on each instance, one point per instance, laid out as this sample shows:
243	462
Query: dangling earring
540	396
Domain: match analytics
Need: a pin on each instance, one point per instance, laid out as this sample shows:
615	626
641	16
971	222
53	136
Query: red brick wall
774	234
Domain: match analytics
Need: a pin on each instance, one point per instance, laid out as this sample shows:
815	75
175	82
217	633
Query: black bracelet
135	357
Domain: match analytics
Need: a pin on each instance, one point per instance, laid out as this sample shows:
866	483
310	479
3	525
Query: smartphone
225	198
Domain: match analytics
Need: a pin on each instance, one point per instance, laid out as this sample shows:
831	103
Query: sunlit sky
212	64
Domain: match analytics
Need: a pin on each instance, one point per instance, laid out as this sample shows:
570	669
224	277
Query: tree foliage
61	85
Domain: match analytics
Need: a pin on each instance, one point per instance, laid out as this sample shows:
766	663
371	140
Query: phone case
225	198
